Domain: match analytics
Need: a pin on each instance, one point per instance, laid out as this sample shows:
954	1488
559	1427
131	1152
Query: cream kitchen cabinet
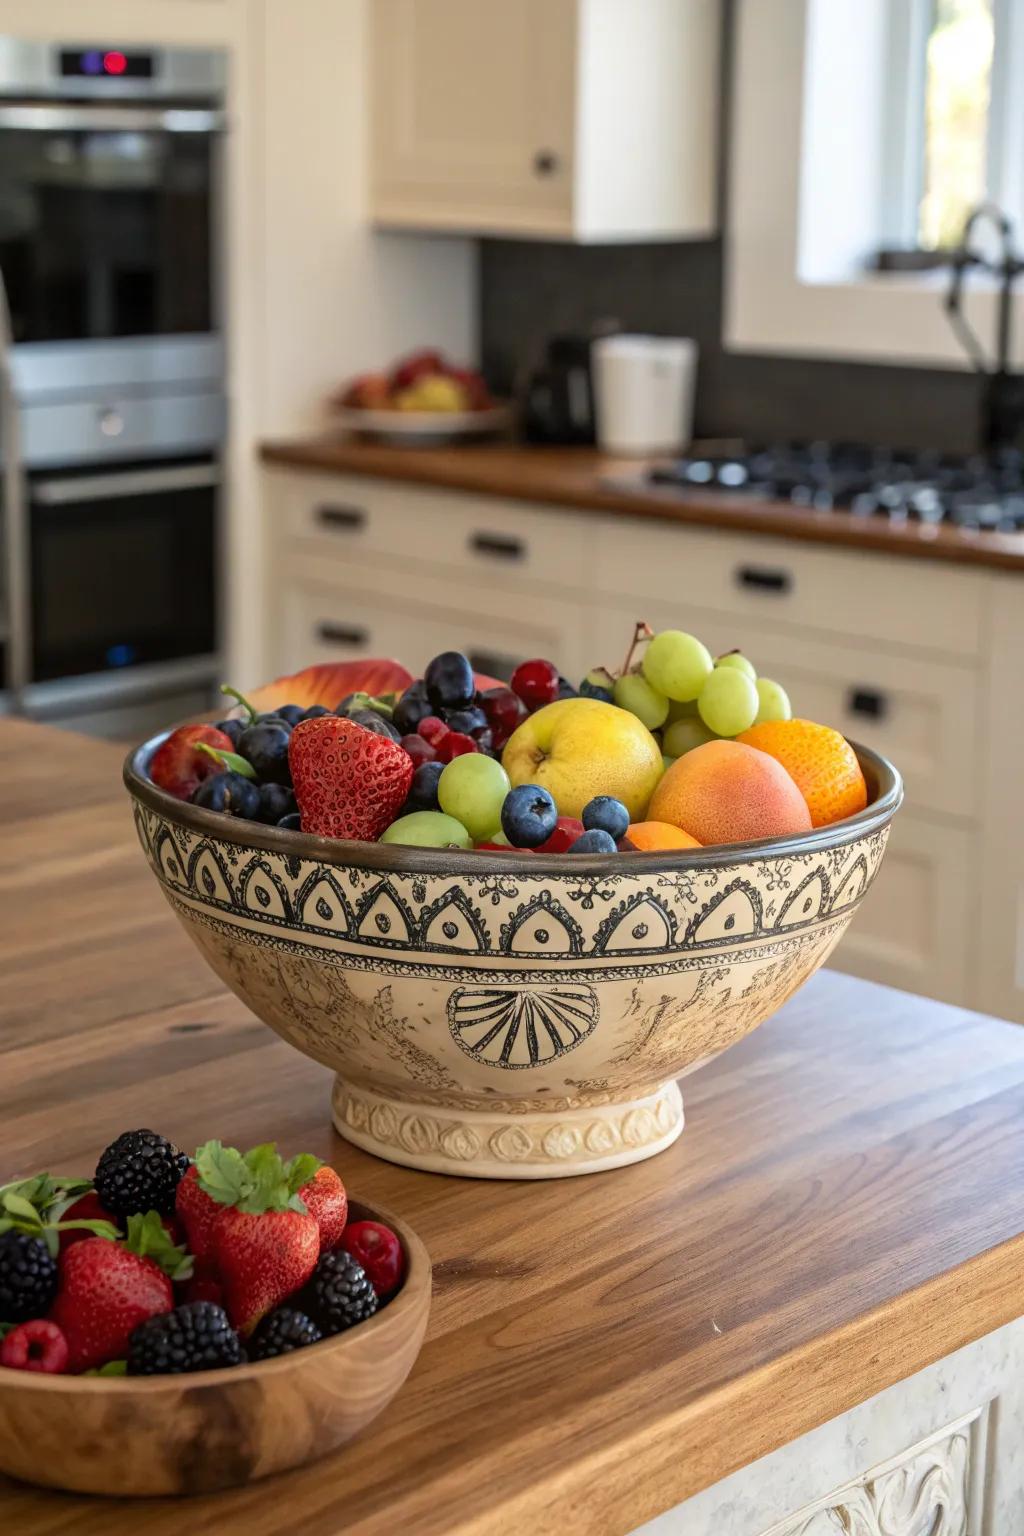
918	660
565	119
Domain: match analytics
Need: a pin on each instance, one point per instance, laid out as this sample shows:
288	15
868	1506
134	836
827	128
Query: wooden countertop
845	1206
582	478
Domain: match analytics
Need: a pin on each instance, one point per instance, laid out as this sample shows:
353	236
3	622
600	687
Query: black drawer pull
870	703
545	162
341	517
342	634
499	545
763	578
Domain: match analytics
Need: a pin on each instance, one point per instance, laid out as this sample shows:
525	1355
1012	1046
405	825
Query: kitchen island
841	1224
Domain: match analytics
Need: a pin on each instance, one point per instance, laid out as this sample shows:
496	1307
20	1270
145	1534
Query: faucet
1002	410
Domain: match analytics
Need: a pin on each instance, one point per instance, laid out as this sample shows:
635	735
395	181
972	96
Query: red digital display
114	63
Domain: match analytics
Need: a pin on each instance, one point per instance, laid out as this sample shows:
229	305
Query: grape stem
642	632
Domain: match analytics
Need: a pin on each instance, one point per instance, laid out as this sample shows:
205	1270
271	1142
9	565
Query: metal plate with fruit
509	918
422	399
177	1325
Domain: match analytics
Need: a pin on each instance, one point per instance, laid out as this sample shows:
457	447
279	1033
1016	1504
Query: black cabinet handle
341	517
870	703
763	578
342	634
545	162
497	545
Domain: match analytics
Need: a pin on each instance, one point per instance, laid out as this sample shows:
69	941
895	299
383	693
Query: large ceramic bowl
509	1015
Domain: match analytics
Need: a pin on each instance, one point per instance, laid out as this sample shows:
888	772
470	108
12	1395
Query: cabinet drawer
335	612
924	606
923	714
491	539
913	928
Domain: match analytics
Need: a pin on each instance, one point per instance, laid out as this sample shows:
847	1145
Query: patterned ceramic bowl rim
885	787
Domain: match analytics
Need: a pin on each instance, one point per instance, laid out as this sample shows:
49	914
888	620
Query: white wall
313	294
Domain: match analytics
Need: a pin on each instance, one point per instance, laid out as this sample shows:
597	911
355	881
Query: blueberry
596	841
528	816
315	711
411	708
470	721
565	688
292	822
229	793
276	800
371	721
449	681
292	713
589	690
422	794
232	729
265	745
606	814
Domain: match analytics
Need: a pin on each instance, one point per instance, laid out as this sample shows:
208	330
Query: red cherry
504	710
419	750
567	830
502	848
378	1250
432	728
536	683
38	1345
454	744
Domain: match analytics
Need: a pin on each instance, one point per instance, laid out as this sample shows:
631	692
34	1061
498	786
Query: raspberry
37	1345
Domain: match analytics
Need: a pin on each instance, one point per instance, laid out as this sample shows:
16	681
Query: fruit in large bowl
510	916
423	381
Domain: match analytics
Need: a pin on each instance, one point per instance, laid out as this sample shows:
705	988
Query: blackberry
340	1294
195	1337
28	1277
282	1331
140	1172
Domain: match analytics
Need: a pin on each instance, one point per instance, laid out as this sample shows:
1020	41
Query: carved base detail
482	1145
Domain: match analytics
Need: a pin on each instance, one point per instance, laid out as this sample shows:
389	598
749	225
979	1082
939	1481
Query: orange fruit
650	836
725	792
820	762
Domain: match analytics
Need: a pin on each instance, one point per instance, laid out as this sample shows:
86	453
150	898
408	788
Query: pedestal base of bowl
485	1144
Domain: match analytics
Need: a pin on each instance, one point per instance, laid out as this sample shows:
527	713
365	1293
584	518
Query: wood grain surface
582	478
845	1205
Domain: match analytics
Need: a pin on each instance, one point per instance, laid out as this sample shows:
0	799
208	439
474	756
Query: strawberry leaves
149	1238
36	1205
258	1181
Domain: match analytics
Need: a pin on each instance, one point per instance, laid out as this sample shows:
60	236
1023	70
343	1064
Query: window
955	128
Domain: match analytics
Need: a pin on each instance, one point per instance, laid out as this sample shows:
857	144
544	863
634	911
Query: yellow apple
579	748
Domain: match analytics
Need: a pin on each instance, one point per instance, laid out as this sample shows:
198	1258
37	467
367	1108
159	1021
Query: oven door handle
108	118
134	482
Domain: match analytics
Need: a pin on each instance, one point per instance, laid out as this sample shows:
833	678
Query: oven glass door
123	567
104	234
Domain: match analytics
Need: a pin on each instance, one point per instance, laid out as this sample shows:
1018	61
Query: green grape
684	735
773	701
636	694
472	788
677	665
666	762
728	702
681	711
734	659
428	829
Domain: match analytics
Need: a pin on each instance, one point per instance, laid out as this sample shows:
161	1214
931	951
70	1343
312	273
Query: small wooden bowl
153	1435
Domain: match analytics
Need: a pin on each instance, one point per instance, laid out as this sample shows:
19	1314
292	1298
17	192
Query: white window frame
769	305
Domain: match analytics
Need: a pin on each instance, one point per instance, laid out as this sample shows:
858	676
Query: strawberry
177	765
326	1201
86	1208
198	1214
107	1288
349	782
57	1209
265	1243
203	1287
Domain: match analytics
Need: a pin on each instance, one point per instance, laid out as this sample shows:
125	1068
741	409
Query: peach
725	792
653	836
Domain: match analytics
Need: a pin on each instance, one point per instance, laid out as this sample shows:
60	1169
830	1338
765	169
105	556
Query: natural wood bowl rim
417	1280
880	774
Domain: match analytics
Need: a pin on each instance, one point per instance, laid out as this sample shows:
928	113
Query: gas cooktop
983	492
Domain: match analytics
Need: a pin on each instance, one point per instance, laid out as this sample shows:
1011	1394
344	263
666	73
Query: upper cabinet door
473	104
566	119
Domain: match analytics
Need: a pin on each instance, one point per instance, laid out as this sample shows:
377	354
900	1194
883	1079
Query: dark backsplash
530	290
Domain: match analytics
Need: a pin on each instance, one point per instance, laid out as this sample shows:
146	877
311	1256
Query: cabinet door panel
467	96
